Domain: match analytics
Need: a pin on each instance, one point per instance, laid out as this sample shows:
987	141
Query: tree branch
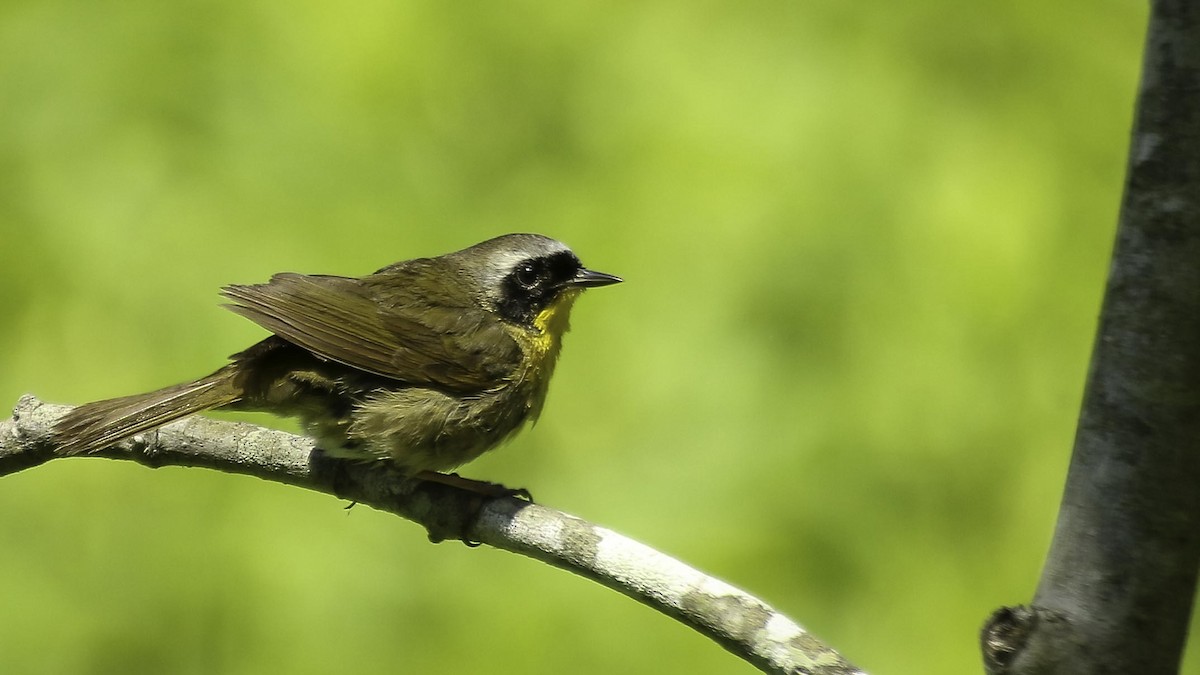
1117	589
736	620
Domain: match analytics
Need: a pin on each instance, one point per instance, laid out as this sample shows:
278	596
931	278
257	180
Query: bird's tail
94	426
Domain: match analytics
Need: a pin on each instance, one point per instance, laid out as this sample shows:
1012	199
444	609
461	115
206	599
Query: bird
424	364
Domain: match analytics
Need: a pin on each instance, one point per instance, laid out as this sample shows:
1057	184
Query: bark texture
1117	589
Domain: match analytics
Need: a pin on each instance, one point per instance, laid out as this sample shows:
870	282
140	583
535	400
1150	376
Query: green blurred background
865	245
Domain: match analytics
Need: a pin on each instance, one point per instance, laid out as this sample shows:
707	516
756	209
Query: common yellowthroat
426	363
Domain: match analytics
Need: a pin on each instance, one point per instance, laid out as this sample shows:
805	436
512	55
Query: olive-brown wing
401	334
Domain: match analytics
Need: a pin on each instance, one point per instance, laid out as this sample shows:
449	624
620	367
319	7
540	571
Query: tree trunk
1116	592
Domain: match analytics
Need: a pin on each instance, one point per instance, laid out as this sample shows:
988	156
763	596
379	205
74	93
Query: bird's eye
526	275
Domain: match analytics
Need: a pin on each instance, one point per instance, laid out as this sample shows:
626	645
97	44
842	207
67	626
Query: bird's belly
428	430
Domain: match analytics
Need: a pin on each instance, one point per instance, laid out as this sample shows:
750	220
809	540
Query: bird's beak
586	278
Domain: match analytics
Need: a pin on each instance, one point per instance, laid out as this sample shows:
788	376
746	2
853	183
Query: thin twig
738	621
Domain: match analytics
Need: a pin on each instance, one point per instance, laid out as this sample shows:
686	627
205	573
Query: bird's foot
479	487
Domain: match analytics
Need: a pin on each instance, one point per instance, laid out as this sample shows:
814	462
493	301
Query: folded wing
397	332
